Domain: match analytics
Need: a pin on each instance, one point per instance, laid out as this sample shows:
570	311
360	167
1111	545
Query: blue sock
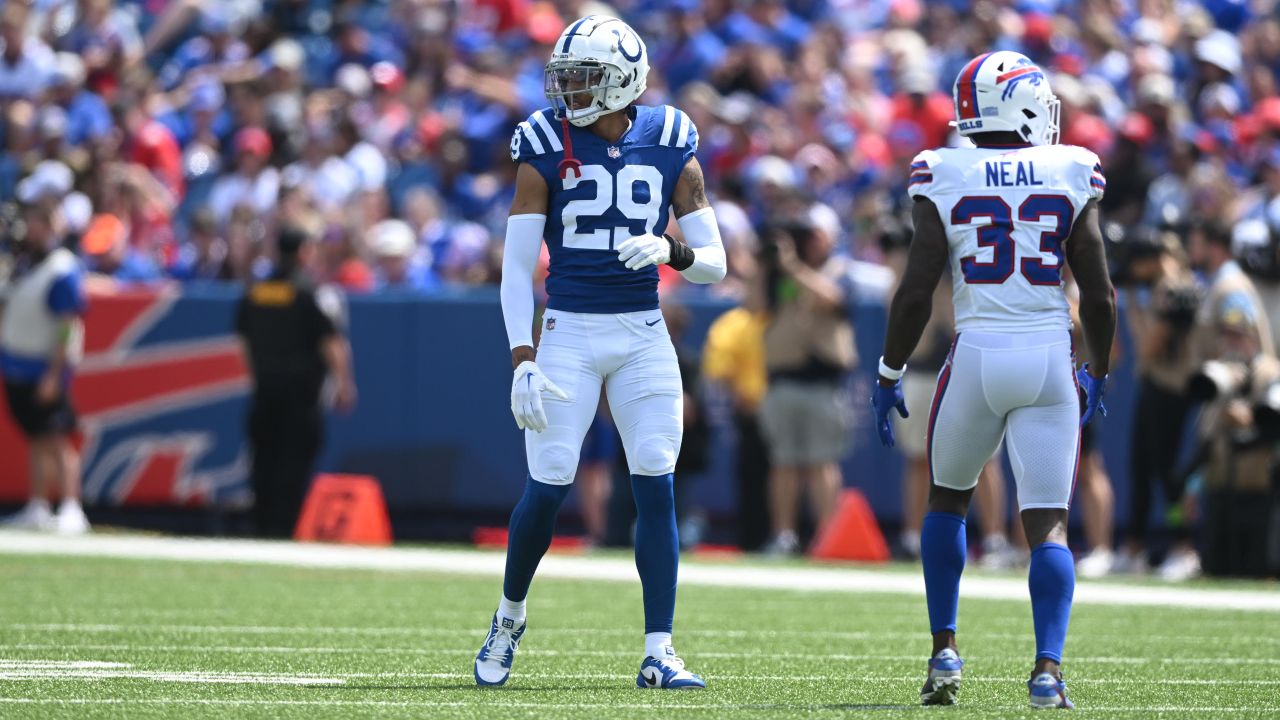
529	534
1053	582
943	550
657	548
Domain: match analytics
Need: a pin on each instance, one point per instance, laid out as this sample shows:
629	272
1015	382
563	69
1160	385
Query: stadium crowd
172	138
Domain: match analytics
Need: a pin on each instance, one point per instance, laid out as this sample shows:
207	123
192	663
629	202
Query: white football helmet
1005	92
599	65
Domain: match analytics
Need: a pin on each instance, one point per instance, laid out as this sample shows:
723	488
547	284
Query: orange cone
346	509
852	533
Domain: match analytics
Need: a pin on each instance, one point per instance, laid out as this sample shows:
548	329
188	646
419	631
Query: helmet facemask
1044	128
578	89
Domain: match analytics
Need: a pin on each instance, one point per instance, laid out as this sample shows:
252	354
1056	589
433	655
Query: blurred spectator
1160	302
41	340
26	63
733	358
147	142
87	116
294	338
205	256
396	247
215	47
1228	287
255	184
809	352
105	38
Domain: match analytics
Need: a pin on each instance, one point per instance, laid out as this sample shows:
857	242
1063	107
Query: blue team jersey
624	189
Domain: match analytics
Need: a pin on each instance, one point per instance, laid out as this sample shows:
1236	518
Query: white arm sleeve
519	259
703	235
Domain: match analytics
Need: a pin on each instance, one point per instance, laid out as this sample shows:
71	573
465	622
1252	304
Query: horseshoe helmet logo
622	48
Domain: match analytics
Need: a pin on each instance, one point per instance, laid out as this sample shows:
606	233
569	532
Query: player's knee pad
554	463
655	455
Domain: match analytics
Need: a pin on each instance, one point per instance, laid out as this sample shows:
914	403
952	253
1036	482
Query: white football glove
526	396
641	251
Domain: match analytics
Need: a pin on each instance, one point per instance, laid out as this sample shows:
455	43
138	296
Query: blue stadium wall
433	422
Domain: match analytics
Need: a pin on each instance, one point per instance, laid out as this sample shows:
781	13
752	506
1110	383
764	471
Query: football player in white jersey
598	177
1005	215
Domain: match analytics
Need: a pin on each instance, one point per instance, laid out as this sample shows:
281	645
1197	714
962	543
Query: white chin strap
583	117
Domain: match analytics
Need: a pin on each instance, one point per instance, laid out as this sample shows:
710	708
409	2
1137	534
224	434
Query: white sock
38	504
69	504
657	644
511	609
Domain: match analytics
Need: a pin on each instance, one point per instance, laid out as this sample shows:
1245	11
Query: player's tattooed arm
913	303
691	190
1086	254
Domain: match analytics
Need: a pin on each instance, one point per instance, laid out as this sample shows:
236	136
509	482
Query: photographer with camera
809	352
1231	328
1161	298
1239	437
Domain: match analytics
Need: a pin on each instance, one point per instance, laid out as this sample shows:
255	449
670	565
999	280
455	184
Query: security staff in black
293	340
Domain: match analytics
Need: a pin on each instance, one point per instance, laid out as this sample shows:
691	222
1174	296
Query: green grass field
102	637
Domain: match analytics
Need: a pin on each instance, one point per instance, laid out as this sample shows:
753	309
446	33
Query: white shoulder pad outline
678	130
535	136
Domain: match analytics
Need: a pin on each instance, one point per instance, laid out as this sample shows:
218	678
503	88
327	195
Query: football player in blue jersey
598	175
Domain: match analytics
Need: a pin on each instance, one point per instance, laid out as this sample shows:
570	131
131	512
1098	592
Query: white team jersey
1008	213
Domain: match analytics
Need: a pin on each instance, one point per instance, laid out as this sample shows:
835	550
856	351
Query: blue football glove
1094	388
883	401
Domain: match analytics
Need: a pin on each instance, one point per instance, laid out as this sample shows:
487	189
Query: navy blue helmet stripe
572	31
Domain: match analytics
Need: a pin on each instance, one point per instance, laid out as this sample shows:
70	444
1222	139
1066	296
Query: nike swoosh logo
650	677
655	322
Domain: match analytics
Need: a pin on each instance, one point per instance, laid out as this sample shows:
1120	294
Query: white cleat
34	516
667	673
493	662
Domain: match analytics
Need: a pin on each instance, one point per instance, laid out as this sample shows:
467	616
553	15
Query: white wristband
889	373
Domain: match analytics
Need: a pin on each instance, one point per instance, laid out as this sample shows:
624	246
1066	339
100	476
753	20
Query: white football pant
1016	386
632	356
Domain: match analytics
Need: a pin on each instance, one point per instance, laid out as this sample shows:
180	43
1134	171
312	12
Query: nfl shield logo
551	323
615	153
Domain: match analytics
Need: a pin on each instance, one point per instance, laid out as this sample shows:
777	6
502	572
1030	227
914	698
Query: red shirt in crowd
155	148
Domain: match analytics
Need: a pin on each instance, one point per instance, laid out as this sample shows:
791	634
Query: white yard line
468	651
825	579
469	632
75	670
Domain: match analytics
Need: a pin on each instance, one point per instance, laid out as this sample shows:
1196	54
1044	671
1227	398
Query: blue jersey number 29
605	198
998	235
